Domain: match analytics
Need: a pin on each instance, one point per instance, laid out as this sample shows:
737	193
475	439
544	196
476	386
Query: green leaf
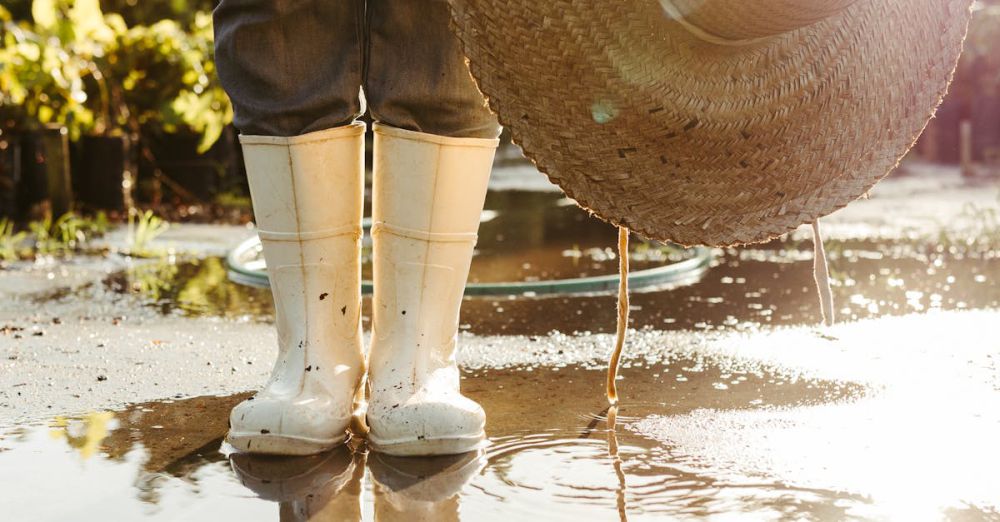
116	23
213	130
88	19
44	13
45	114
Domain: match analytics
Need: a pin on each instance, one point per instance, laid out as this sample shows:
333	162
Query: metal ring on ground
681	271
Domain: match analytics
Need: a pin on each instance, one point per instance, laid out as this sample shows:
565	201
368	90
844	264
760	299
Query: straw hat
713	121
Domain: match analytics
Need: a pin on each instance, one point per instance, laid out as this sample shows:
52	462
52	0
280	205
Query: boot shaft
308	197
427	199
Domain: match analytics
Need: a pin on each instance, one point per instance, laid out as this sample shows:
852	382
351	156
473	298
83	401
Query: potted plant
41	103
125	94
188	114
56	68
163	96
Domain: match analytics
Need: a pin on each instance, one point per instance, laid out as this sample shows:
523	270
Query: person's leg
290	67
416	77
434	145
293	71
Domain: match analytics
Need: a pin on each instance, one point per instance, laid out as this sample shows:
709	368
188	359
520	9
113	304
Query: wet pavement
753	427
116	377
163	460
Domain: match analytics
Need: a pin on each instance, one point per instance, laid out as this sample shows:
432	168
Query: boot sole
428	447
276	444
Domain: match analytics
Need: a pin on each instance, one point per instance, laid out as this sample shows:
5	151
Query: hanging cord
821	273
622	314
612	423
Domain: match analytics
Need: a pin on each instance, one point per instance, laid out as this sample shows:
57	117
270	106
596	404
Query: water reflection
767	445
612	423
318	488
408	489
191	287
329	487
84	434
551	455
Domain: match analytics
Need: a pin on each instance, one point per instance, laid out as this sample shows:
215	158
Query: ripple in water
553	456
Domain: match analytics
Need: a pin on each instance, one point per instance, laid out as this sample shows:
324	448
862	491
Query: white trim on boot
307	196
427	199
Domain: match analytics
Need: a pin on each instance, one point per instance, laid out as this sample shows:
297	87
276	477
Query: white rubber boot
428	194
307	197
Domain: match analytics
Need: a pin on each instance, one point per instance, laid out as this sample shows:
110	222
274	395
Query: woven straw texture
679	138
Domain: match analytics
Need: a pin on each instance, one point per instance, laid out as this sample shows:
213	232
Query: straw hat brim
685	140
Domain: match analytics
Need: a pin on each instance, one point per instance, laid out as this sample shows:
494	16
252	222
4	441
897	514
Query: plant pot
189	175
58	181
35	177
99	169
31	176
10	174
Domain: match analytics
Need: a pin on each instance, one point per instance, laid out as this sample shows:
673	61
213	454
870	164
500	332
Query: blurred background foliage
982	46
118	67
134	12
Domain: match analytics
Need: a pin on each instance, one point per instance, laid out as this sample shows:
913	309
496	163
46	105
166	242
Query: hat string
622	314
821	273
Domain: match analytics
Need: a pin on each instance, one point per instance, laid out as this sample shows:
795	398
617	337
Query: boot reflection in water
317	488
293	71
328	487
408	490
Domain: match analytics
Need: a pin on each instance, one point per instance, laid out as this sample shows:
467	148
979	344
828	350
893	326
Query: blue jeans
297	66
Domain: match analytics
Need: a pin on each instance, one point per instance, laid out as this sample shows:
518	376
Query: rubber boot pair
308	194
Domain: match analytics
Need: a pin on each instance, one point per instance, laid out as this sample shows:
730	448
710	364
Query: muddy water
692	439
552	456
525	236
535	236
770	285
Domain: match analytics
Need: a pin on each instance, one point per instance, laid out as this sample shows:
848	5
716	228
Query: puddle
526	236
873	420
771	285
551	456
536	236
692	439
195	287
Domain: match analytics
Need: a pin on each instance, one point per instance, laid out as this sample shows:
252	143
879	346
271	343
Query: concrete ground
68	346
